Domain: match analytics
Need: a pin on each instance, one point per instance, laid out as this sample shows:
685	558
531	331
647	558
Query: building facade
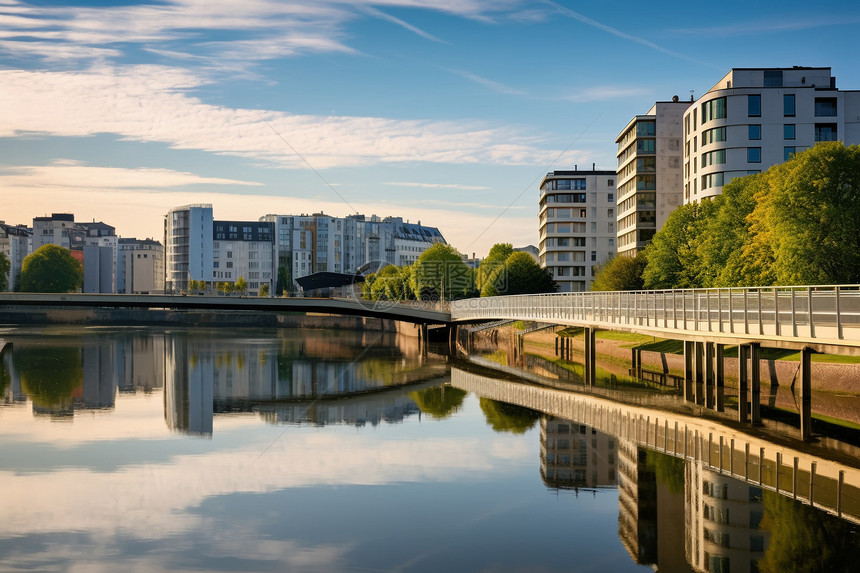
577	225
244	249
650	176
141	267
14	243
187	246
755	118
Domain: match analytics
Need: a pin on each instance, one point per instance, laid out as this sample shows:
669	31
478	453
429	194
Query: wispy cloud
771	25
602	93
383	16
435	185
148	103
618	33
491	84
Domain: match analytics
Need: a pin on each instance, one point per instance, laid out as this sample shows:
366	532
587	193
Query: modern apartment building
576	456
757	117
14	243
244	249
141	267
187	246
650	177
577	225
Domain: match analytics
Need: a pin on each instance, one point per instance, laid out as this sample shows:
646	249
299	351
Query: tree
440	274
504	417
241	285
809	216
49	374
439	402
673	260
283	285
264	289
5	267
51	268
495	259
520	274
390	283
620	273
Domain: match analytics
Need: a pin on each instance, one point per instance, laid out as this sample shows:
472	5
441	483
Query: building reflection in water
288	378
575	456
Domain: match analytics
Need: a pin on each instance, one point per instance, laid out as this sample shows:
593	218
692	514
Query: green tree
49	375
495	259
620	273
504	417
264	289
241	285
520	274
440	274
809	216
284	281
51	268
5	267
390	283
672	256
439	402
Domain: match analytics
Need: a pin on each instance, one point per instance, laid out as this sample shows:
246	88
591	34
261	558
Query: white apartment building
650	177
187	246
577	225
244	249
141	267
14	243
754	118
58	229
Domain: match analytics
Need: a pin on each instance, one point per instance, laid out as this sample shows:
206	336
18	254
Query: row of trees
798	223
440	274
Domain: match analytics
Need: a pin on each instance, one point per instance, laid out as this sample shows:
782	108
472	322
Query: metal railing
799	312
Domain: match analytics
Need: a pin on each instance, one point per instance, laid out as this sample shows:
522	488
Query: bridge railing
802	312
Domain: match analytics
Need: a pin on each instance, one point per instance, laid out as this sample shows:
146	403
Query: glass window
825	107
754	105
773	78
755	132
753	154
788	131
825	132
788	152
788	105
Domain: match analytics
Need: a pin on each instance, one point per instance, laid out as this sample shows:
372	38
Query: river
143	449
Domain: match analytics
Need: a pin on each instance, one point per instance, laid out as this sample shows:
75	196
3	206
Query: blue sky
444	111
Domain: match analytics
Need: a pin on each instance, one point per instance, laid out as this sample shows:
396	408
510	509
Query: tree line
798	223
440	274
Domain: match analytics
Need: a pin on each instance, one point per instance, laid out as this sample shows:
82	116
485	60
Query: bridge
812	478
413	313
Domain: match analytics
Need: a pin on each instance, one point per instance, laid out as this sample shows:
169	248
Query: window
593	255
713	109
773	78
788	131
787	153
788	105
825	107
825	132
754	132
753	154
754	105
714	135
611	197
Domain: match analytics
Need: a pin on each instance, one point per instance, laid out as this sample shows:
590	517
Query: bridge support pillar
634	360
709	374
556	345
698	369
590	356
719	376
805	393
689	351
743	382
755	383
422	339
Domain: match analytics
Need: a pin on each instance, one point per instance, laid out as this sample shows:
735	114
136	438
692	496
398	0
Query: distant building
576	456
577	225
244	249
650	177
530	249
754	118
141	267
14	241
187	246
58	229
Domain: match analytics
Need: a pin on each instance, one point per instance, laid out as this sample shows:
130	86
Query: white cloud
147	103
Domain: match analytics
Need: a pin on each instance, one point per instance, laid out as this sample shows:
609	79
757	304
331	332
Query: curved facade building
755	118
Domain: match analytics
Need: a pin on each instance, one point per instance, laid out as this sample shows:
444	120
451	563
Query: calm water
302	450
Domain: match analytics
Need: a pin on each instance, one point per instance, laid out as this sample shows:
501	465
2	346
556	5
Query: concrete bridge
812	478
412	311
